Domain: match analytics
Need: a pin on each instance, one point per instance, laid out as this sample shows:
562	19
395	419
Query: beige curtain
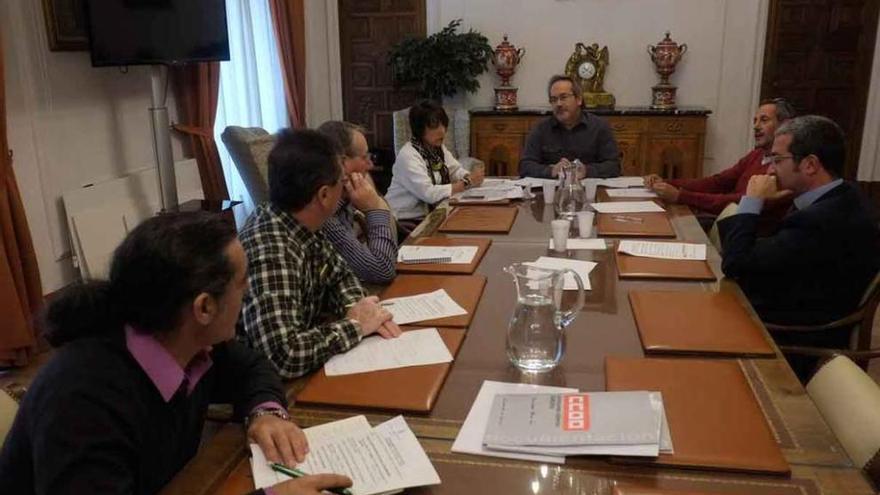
196	89
21	293
288	19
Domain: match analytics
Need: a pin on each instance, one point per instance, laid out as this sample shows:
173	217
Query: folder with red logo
576	419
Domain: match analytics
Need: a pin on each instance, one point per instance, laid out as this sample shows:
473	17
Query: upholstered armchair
457	135
249	148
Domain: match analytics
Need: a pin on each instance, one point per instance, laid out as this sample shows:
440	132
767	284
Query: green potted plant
441	64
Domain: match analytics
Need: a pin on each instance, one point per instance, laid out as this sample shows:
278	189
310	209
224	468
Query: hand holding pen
309	484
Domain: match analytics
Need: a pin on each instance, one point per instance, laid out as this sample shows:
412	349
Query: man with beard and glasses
571	133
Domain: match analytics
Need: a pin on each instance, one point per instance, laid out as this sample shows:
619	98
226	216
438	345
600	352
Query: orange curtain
21	293
196	88
288	19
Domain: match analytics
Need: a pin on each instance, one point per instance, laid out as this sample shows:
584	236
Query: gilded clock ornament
587	66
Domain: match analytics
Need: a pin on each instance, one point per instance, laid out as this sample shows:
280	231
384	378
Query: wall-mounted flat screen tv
148	32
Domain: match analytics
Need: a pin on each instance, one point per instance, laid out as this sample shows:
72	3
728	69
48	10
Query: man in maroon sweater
709	195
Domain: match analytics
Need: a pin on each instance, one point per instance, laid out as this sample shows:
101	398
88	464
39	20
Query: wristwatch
266	411
467	181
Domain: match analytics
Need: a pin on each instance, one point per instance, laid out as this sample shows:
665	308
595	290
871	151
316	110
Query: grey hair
819	136
341	133
575	87
784	109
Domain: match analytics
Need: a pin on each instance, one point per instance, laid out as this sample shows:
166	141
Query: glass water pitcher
536	332
571	196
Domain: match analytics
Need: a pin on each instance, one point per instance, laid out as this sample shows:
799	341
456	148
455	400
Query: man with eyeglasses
571	133
816	267
362	230
708	196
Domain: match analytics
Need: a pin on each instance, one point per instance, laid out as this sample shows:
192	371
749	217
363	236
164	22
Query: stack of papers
533	182
491	190
378	460
663	250
628	207
421	307
636	192
413	348
575	243
597	423
582	268
455	254
471	436
616	182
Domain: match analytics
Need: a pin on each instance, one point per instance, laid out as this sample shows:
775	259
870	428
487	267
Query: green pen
296	473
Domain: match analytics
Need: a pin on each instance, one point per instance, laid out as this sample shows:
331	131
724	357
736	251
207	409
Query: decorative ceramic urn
665	55
505	59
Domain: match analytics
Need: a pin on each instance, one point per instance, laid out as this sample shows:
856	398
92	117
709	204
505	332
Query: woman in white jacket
425	172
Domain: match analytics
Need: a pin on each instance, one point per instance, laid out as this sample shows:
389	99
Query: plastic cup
585	223
549	192
560	230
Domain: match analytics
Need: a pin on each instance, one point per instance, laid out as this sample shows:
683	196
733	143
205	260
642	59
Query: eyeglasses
776	159
366	156
561	98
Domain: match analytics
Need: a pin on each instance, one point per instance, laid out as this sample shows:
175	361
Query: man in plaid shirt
303	303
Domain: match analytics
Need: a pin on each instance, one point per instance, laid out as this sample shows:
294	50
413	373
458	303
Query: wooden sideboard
665	142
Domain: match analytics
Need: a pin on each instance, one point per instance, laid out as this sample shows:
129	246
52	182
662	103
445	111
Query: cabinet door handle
499	126
675	126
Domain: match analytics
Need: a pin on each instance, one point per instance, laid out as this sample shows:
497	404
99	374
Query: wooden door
367	29
819	55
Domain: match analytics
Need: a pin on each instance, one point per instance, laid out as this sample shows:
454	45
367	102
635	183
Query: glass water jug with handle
536	332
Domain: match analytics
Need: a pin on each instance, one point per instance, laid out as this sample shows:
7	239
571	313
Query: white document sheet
575	243
381	459
456	254
412	348
470	436
421	307
627	207
636	192
582	268
533	182
663	250
617	182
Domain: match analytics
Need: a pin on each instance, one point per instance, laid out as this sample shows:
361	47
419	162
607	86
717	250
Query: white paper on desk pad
617	182
470	436
582	268
576	243
378	460
627	207
533	182
457	254
317	435
636	192
412	348
665	435
663	250
421	307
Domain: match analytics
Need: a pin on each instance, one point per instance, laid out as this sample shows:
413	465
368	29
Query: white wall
69	125
720	70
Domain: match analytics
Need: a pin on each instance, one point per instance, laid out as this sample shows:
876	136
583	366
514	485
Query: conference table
605	326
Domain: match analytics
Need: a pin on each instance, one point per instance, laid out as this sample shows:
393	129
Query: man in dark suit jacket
816	267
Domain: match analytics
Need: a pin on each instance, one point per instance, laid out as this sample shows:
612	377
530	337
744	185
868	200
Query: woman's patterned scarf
434	159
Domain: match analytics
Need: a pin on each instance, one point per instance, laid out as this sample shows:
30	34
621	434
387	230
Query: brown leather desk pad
413	388
481	243
466	290
478	202
654	268
714	418
696	323
634	225
479	219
